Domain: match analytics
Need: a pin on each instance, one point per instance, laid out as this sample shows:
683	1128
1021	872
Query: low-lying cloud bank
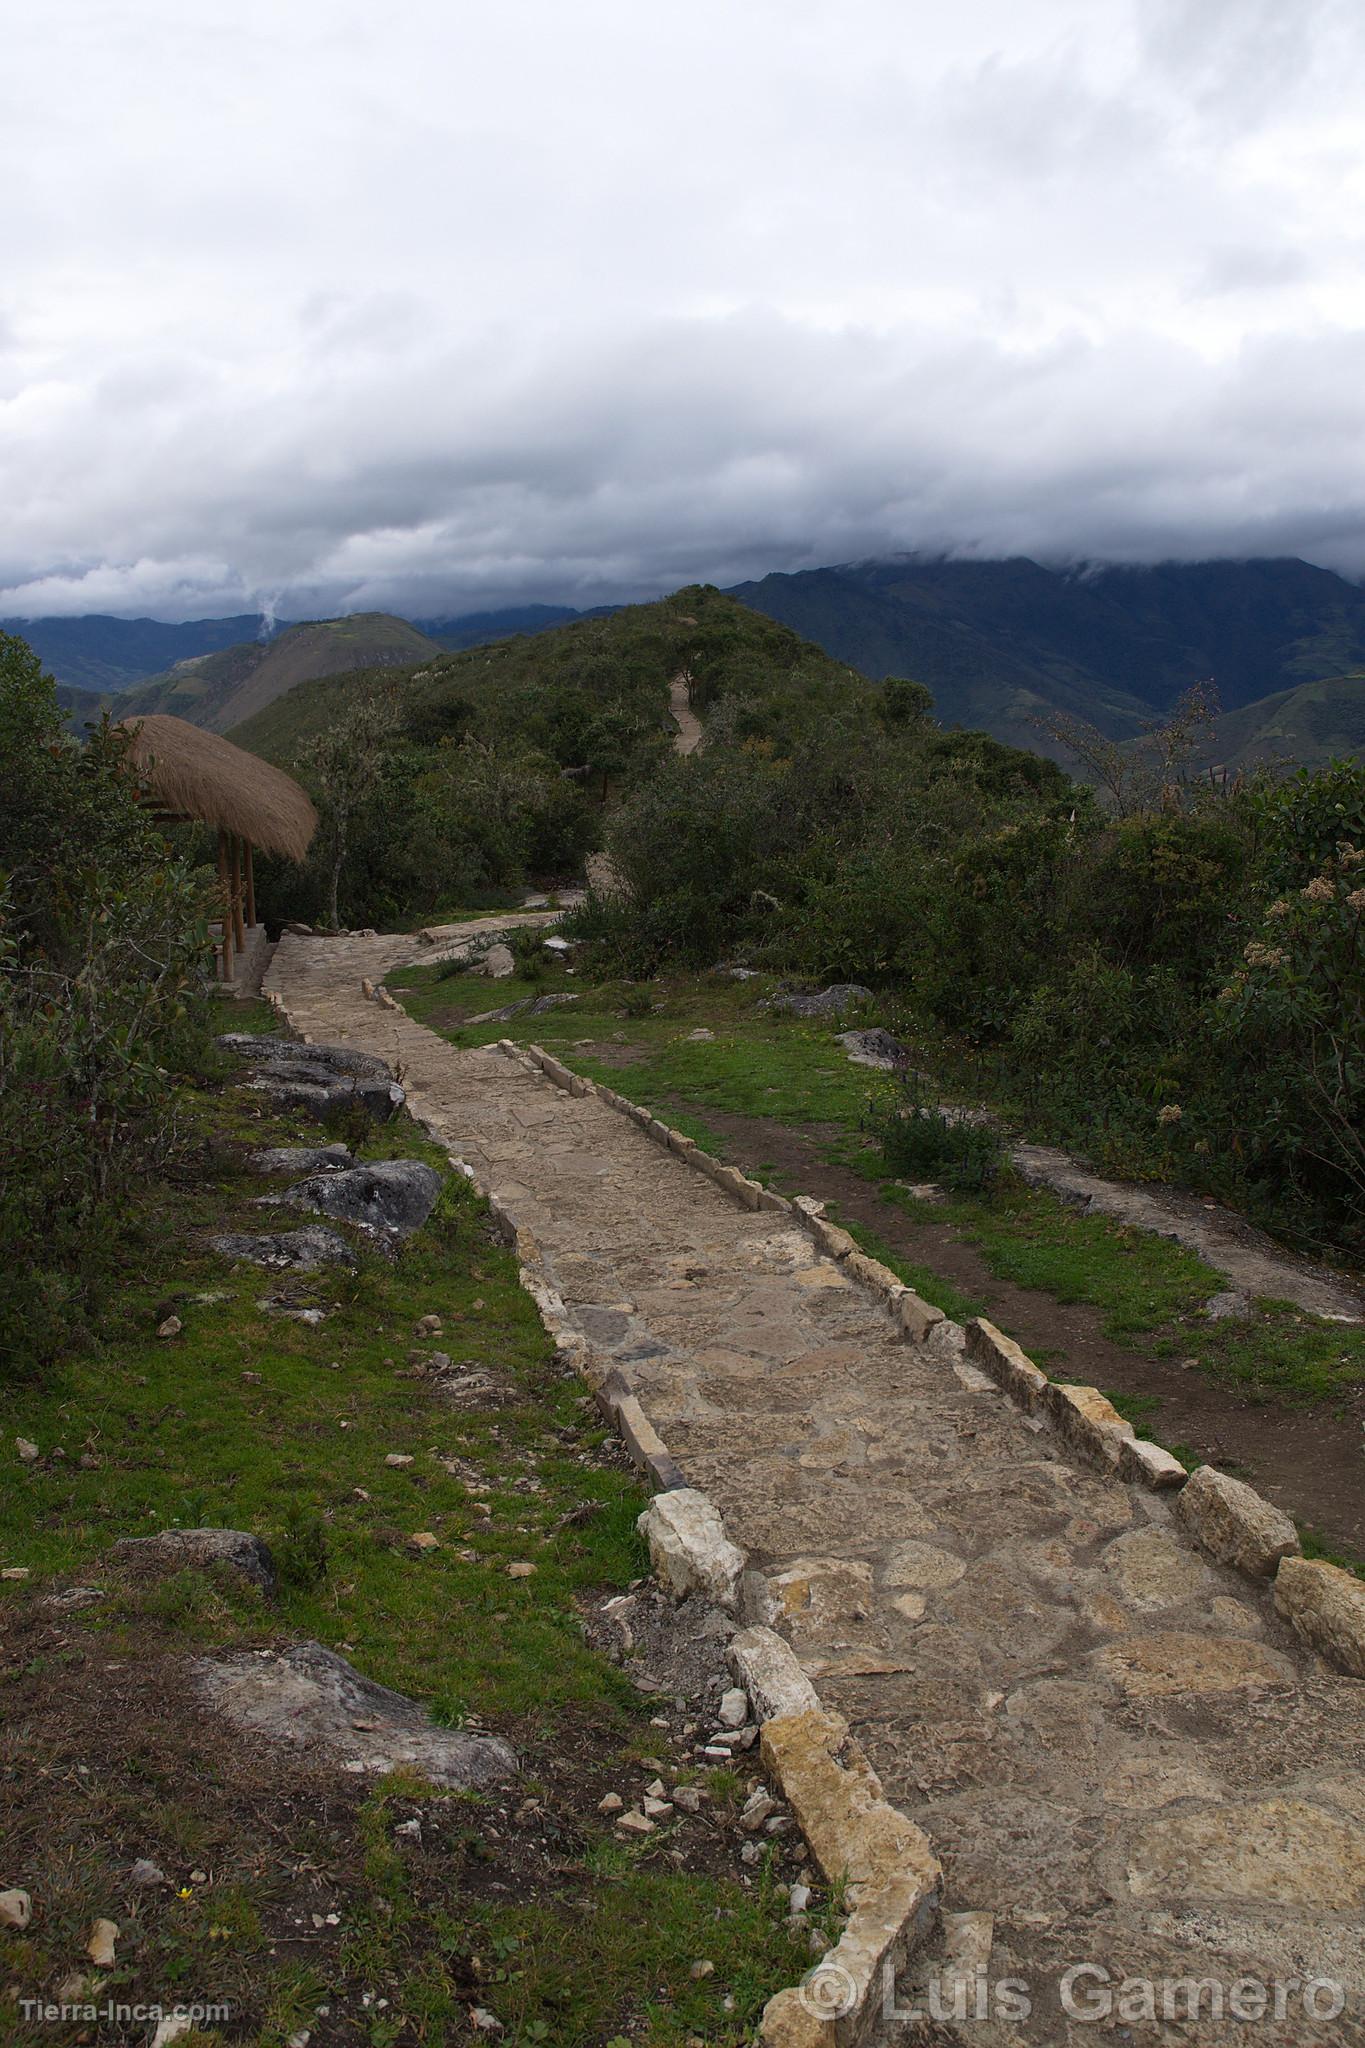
685	450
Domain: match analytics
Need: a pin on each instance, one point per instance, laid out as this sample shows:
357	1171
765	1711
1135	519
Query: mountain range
1004	646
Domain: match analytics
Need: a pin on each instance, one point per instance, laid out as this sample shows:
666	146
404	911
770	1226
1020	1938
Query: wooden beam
238	927
250	882
225	890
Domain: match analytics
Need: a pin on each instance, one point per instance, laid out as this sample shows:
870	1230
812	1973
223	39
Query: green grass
757	1064
247	1420
1137	1281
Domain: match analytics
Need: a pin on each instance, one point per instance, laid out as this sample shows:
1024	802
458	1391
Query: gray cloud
436	308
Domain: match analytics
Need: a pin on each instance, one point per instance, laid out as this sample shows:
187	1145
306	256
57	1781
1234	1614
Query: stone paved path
1116	1748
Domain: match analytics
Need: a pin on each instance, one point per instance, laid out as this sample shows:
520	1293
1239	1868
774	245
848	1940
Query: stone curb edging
894	1880
1230	1520
914	1317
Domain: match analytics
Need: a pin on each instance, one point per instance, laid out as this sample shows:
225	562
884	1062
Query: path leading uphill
1121	1756
684	717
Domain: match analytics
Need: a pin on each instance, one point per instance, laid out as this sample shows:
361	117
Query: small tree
104	960
904	702
1139	774
346	764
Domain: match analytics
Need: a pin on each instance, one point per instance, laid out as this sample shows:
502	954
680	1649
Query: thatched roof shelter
192	774
189	775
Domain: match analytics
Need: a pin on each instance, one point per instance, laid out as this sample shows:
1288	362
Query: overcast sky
329	305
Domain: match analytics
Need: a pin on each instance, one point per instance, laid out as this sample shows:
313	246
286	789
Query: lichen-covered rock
236	1548
395	1196
825	1002
298	1251
498	964
310	1697
316	1077
300	1159
874	1048
339	1059
1234	1523
1326	1607
312	1085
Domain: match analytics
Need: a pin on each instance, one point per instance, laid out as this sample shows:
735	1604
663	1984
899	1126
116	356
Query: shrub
1290	1019
104	965
920	1141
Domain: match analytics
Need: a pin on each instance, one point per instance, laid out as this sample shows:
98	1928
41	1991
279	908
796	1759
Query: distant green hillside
578	693
1002	643
1307	727
97	653
80	708
221	690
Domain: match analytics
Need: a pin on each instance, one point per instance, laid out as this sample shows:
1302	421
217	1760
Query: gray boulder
300	1159
310	1084
501	1016
236	1548
497	964
316	1077
310	1697
827	1002
255	1045
390	1195
298	1251
338	1059
875	1048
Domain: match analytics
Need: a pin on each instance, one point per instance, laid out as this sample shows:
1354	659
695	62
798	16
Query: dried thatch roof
195	774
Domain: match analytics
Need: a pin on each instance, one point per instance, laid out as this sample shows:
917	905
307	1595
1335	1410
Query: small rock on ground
874	1048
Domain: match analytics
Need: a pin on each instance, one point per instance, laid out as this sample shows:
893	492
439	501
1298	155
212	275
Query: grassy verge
638	1037
288	1893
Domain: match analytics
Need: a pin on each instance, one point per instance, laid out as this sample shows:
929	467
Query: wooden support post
250	882
225	887
238	927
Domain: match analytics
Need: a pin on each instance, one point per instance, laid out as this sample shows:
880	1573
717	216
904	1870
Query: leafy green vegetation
1177	993
502	757
103	959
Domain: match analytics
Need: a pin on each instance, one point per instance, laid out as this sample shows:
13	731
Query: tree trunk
334	882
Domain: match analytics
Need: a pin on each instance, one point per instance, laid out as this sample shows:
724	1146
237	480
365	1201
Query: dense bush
920	1142
1177	991
103	975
